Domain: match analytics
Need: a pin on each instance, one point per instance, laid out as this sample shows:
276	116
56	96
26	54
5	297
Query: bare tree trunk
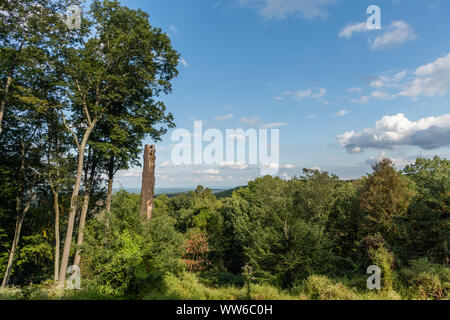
84	210
57	239
148	182
110	184
19	223
73	207
3	103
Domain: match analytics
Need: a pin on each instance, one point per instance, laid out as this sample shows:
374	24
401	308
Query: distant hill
170	192
226	193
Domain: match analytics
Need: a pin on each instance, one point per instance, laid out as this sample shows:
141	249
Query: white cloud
168	164
299	95
311	116
173	29
388	81
348	31
251	122
225	117
281	9
288	166
184	63
233	166
431	80
131	173
341	113
211	171
213	178
273	125
426	133
359	90
397	161
362	100
383	95
397	33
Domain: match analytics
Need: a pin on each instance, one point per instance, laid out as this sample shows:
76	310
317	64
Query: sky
342	95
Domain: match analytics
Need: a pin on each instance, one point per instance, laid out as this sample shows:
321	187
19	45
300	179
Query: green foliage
135	254
426	280
322	288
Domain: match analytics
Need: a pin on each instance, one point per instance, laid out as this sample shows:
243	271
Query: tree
385	196
28	28
22	141
122	63
426	227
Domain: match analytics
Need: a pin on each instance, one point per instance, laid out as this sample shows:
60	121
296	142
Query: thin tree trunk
110	184
19	223
57	239
3	103
84	210
73	207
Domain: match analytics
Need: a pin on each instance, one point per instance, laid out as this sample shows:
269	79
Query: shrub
322	288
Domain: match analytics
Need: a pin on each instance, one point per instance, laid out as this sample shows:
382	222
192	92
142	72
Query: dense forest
76	106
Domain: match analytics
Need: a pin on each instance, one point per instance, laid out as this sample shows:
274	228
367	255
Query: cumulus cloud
397	33
431	80
391	131
281	9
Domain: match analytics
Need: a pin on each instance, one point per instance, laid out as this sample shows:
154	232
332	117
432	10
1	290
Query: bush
322	288
427	280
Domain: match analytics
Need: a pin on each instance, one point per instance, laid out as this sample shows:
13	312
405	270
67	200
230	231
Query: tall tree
27	29
385	196
122	59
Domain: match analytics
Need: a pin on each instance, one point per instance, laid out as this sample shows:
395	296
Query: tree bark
110	184
84	210
19	223
57	239
148	182
73	207
3	103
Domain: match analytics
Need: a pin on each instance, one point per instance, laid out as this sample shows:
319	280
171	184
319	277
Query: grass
188	286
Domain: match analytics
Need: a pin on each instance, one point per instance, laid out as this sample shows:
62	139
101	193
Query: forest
76	107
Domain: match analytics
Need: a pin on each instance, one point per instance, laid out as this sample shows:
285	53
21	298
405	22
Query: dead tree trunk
148	182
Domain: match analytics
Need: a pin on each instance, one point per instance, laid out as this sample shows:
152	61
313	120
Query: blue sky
341	95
